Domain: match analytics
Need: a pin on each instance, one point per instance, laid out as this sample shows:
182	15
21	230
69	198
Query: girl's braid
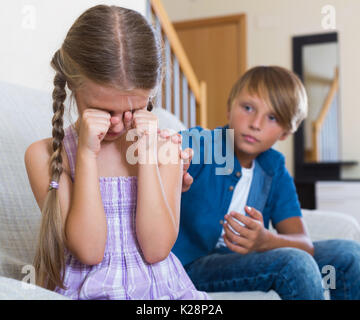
58	95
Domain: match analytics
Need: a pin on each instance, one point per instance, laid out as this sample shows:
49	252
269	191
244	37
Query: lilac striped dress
123	273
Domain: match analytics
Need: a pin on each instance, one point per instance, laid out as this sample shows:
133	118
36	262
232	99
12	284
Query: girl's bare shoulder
39	153
39	150
37	162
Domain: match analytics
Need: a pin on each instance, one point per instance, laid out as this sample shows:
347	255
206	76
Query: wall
271	24
32	30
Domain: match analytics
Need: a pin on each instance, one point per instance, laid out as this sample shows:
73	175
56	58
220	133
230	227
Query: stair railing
181	92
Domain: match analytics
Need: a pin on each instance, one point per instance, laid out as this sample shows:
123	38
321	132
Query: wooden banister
329	98
318	123
198	88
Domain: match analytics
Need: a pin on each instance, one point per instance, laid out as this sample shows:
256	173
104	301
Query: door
216	48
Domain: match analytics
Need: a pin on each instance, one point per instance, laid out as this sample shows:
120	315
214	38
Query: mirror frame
310	171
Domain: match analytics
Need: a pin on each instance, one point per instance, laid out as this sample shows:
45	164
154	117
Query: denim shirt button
238	174
231	188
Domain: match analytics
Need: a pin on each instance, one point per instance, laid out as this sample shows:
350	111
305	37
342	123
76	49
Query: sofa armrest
324	225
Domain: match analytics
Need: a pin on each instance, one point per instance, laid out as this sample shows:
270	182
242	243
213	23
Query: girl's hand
145	125
94	125
253	235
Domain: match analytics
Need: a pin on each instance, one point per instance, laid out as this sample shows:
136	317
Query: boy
265	105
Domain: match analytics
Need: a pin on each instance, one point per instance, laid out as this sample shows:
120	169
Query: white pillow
168	121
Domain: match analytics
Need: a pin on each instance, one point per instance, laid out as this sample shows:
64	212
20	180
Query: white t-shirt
239	198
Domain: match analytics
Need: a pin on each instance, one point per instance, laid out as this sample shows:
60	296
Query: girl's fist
94	125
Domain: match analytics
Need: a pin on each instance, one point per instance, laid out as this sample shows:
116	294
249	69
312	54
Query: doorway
216	48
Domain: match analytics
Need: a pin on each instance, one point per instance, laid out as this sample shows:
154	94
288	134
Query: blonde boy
265	105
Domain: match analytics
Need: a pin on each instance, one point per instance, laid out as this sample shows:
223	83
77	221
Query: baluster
167	75
176	88
192	110
159	93
329	135
333	129
185	99
148	11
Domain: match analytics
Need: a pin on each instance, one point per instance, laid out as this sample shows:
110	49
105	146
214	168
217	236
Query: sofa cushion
11	289
325	225
25	117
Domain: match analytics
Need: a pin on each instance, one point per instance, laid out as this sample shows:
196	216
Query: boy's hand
185	155
253	235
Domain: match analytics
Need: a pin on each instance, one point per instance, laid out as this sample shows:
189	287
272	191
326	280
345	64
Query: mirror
318	67
317	144
321	80
319	61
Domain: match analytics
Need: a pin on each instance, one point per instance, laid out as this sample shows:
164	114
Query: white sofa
25	116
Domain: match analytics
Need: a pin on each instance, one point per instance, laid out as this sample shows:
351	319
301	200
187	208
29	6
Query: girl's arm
81	212
158	202
86	226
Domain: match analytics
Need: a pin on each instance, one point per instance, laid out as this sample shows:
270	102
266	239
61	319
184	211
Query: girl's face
255	125
117	102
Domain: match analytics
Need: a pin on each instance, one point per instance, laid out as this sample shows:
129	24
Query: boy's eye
247	108
272	118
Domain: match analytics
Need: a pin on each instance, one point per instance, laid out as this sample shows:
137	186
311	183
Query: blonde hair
281	89
111	46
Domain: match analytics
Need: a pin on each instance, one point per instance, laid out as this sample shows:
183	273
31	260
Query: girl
108	224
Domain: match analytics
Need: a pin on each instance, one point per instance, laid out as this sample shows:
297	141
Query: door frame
239	19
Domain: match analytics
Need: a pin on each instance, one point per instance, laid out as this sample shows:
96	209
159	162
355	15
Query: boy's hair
281	89
110	46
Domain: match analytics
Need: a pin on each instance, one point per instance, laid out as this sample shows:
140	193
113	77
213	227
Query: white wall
32	30
271	25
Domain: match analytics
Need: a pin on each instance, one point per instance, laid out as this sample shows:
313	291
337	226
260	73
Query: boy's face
255	125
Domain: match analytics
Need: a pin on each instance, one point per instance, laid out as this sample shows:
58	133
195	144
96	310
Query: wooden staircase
181	93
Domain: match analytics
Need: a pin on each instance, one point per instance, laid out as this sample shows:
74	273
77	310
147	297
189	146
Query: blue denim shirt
272	191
